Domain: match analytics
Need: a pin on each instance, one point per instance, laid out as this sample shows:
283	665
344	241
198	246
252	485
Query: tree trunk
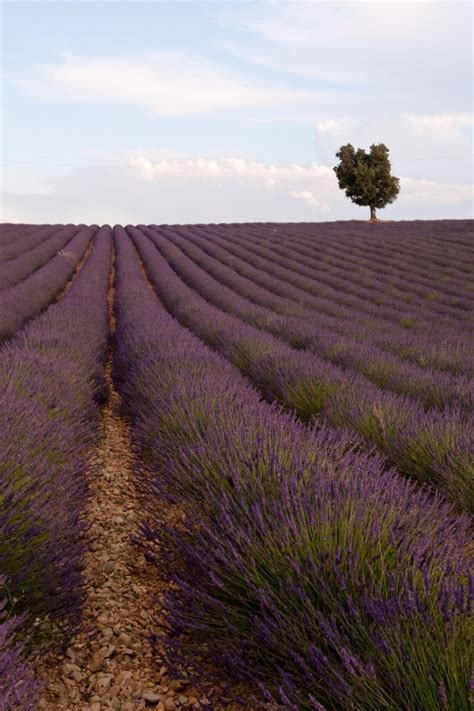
373	217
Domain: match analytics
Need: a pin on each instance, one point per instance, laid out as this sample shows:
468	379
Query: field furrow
421	259
51	376
432	447
262	493
21	302
440	347
29	239
9	233
425	295
236	467
112	656
25	264
304	330
348	290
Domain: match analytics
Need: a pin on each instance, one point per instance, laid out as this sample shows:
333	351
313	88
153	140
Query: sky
182	112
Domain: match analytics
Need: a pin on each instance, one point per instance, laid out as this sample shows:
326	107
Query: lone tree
366	176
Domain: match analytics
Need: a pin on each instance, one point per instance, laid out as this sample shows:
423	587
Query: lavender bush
18	687
10	233
9	228
308	568
305	562
415	243
376	251
439	346
25	264
27	239
309	386
397	281
320	282
30	297
50	375
304	329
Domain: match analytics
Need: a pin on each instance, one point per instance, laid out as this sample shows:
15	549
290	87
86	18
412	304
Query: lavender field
294	409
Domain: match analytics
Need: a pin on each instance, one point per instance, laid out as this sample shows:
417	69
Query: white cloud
333	125
440	122
373	24
424	193
189	189
392	48
310	199
422	146
231	168
380	20
168	83
359	72
289	62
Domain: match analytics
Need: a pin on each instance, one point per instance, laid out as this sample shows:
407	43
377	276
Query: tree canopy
366	177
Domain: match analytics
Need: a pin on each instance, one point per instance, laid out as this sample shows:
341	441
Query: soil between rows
111	662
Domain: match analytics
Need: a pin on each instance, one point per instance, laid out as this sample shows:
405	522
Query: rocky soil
110	663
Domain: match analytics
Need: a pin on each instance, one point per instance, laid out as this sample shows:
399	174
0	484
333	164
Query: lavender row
51	383
322	282
390	252
401	244
282	281
25	264
304	330
294	330
51	376
407	288
426	238
348	261
18	687
8	226
9	232
30	297
309	290
305	568
444	349
326	289
11	226
27	240
230	292
416	319
373	300
433	447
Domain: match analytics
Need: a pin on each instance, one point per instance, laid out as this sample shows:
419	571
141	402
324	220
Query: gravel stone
110	661
151	698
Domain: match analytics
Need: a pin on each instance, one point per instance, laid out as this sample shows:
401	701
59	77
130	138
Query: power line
120	163
62	165
458	155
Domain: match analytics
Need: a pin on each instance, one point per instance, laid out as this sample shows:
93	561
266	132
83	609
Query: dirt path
110	662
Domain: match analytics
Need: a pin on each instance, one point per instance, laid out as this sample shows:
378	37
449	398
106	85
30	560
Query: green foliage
308	397
366	177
